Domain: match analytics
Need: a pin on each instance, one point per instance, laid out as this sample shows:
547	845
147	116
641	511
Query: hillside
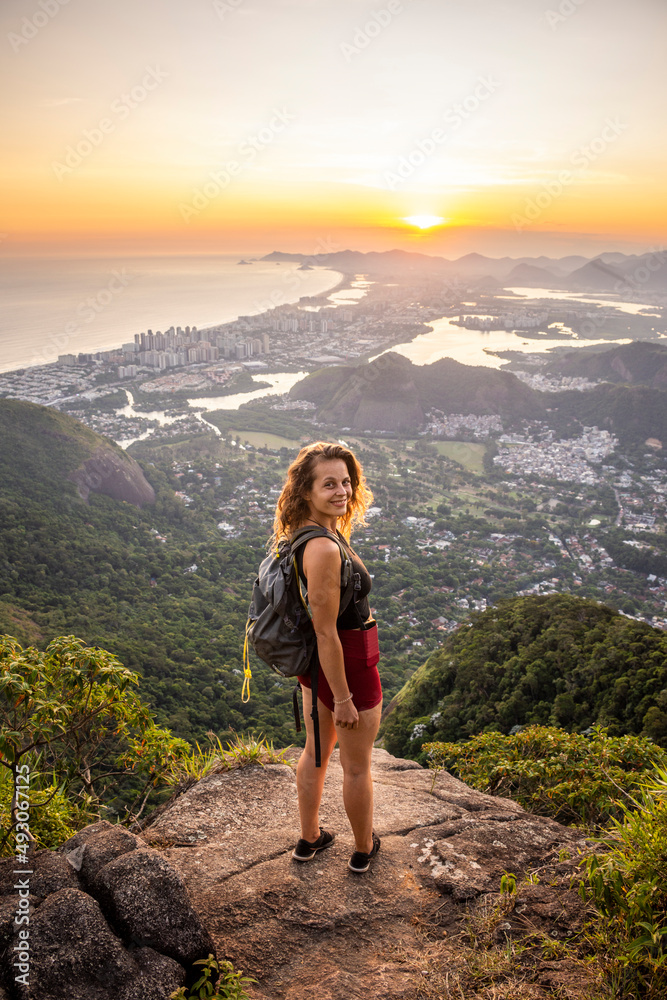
44	450
392	394
401	262
556	660
622	274
638	363
158	585
613	272
632	413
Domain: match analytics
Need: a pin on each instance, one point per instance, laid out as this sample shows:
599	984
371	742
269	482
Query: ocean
53	306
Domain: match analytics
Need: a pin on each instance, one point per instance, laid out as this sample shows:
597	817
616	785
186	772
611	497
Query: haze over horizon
245	126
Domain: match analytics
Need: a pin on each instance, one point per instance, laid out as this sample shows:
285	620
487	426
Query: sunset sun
424	221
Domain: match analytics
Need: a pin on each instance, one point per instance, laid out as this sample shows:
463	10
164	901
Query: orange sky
251	125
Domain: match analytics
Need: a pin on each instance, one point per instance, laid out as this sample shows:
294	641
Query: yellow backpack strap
245	690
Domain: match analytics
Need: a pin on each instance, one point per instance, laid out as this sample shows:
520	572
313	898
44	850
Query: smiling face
330	491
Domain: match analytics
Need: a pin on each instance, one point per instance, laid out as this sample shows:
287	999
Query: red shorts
361	654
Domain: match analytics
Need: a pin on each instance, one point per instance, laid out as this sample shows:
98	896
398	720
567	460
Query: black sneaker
305	850
360	862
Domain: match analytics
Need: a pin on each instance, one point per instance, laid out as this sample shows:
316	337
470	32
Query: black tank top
357	612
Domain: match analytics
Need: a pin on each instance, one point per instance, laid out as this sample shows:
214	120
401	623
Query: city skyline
244	126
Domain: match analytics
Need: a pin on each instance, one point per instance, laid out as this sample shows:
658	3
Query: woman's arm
321	566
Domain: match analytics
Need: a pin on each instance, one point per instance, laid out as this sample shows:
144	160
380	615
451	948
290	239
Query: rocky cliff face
41	449
381	396
115	474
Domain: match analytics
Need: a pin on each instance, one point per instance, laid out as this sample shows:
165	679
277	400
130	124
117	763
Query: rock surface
76	954
109	919
316	930
147	902
92	848
110	471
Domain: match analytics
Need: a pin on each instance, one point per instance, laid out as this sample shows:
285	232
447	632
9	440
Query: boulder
49	873
109	920
146	901
92	848
74	955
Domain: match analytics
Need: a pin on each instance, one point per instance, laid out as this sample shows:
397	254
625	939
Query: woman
325	486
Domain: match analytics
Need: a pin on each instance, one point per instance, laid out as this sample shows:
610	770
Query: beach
55	306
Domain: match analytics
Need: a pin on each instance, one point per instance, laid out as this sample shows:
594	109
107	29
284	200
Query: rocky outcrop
111	472
77	955
116	916
316	930
110	919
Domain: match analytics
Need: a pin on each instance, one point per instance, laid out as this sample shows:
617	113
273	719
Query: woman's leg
355	757
310	779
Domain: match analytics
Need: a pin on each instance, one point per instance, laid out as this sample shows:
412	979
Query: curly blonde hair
292	507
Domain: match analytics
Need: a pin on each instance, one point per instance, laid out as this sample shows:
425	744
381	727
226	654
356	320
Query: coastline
66	333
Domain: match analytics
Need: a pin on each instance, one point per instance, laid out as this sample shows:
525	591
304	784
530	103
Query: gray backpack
279	626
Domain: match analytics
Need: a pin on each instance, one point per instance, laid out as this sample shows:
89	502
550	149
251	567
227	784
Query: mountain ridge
612	272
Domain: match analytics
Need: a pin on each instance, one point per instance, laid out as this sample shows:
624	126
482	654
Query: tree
71	712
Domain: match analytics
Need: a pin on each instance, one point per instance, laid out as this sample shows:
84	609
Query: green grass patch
465	453
262	439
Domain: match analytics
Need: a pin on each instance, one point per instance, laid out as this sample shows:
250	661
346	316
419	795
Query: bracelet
343	700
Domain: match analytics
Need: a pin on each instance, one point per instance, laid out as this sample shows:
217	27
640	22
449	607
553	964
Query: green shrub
627	881
239	752
229	986
571	777
54	817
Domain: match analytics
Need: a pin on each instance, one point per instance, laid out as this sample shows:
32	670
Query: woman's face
331	489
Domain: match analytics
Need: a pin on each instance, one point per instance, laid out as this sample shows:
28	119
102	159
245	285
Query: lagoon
477	347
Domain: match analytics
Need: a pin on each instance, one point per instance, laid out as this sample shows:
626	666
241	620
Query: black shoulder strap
349	581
